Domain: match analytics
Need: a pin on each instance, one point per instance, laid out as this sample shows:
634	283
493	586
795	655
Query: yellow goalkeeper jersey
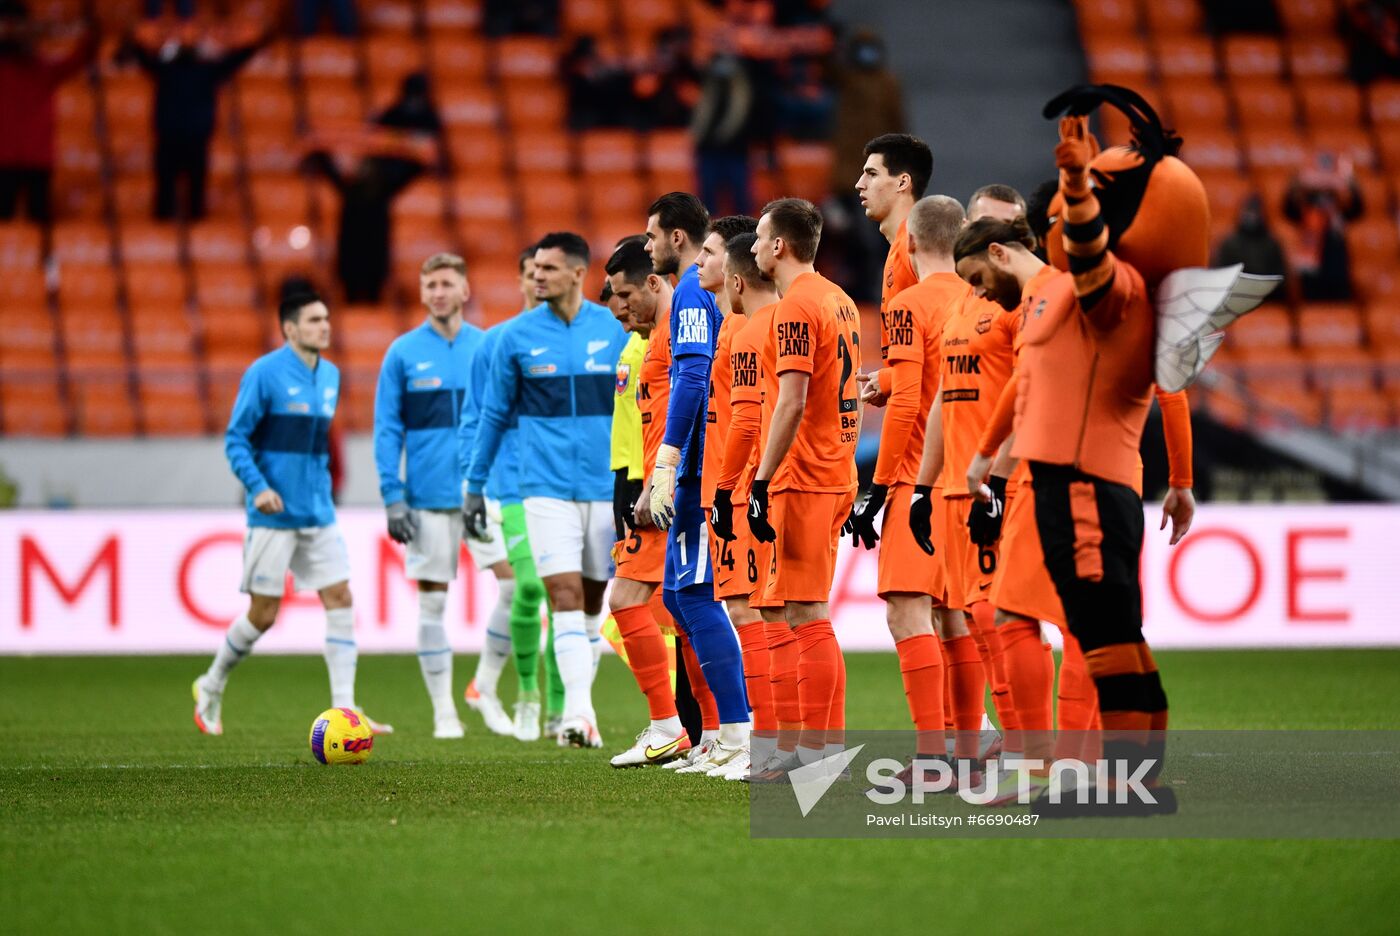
627	418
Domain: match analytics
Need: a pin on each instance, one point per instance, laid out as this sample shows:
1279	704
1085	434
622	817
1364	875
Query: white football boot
579	732
700	763
653	746
378	728
449	726
527	721
737	767
490	708
208	708
775	769
722	756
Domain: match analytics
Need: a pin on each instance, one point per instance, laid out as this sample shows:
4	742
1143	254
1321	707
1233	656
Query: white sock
593	624
435	653
761	747
672	725
734	735
708	734
341	655
238	643
574	660
496	651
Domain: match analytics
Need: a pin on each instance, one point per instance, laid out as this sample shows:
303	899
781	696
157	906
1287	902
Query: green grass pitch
117	816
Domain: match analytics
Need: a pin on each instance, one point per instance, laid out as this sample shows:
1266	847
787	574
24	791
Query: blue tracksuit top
277	438
503	483
695	322
557	380
421	387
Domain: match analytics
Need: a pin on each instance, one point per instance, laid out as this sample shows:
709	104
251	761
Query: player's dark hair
631	239
935	223
799	223
289	309
738	250
1038	210
998	192
984	232
527	254
731	226
681	210
605	293
574	246
904	153
632	261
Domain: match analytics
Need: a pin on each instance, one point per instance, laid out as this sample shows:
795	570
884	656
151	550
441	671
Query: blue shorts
688	540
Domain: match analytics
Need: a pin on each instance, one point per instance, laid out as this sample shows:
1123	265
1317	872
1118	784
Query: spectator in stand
309	13
667	87
600	88
28	80
869	102
520	17
188	72
155	9
1320	201
807	102
1252	244
724	128
1241	16
1371	29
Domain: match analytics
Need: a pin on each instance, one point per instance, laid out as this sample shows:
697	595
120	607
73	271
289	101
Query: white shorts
316	557
431	556
488	553
570	536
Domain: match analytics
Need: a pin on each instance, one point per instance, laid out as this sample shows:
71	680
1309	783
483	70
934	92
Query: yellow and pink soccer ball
341	736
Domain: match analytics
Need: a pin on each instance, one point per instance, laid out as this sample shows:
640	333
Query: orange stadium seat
1251	57
1383	102
1206	150
82	287
588	18
328	57
218	242
77	153
1125	57
551	202
1373	241
364	333
272	152
221	378
279	198
27	337
424	199
669	158
1330	103
1181	57
542	151
534	104
1287	407
1275	149
93	339
456	60
496	289
233	335
526	57
1387	137
155	286
284	249
1316	56
20	245
608	152
1173	17
1264	104
1106	17
171	401
1383	324
390	16
133	196
79	196
488	242
1307	16
1375	193
128	103
806	168
1329	325
1388	366
82	242
1274	367
75	107
1342	367
1353	142
1226	191
162	336
132	155
624	198
415	240
146	242
1359	410
1375	281
469	104
267	105
1266	328
391	58
273	60
451	15
32	406
1193	103
648	19
477	152
23	288
333	103
483	200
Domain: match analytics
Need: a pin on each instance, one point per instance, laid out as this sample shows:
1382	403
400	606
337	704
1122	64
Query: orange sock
782	676
1030	685
709	711
818	668
1077	701
754	645
836	721
981	621
921	667
646	652
969	684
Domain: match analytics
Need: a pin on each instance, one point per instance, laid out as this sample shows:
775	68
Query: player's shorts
570	536
736	562
903	566
431	556
688	540
809	530
968	568
641	557
316	557
484	553
763	568
1022	584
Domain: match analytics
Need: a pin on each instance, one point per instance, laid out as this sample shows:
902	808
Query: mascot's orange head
1153	203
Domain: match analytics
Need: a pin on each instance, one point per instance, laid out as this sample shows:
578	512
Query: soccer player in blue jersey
422	385
677	224
276	445
553	374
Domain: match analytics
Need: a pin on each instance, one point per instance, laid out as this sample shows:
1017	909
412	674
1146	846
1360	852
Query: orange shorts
763	573
809	530
969	567
903	566
735	563
642	556
1022	584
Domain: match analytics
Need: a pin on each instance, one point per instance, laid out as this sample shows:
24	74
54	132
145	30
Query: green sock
554	686
525	606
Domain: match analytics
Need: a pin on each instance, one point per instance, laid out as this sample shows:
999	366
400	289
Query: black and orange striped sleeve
1097	279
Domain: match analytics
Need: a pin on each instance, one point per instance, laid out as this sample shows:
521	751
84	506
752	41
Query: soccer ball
341	736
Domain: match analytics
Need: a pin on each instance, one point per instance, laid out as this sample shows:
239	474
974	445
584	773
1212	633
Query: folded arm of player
1179	506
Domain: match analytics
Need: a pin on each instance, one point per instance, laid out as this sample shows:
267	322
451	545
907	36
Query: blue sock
716	647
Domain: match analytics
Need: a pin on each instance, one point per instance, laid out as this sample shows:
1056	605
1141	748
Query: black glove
403	523
921	517
722	515
759	526
625	494
474	515
984	522
861	523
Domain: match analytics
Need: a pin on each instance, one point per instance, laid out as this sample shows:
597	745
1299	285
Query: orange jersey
979	354
1086	376
720	408
899	271
911	323
654	389
817	332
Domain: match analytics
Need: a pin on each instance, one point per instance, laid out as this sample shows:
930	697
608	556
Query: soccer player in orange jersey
809	456
640	559
996	201
896	172
910	580
1085	381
